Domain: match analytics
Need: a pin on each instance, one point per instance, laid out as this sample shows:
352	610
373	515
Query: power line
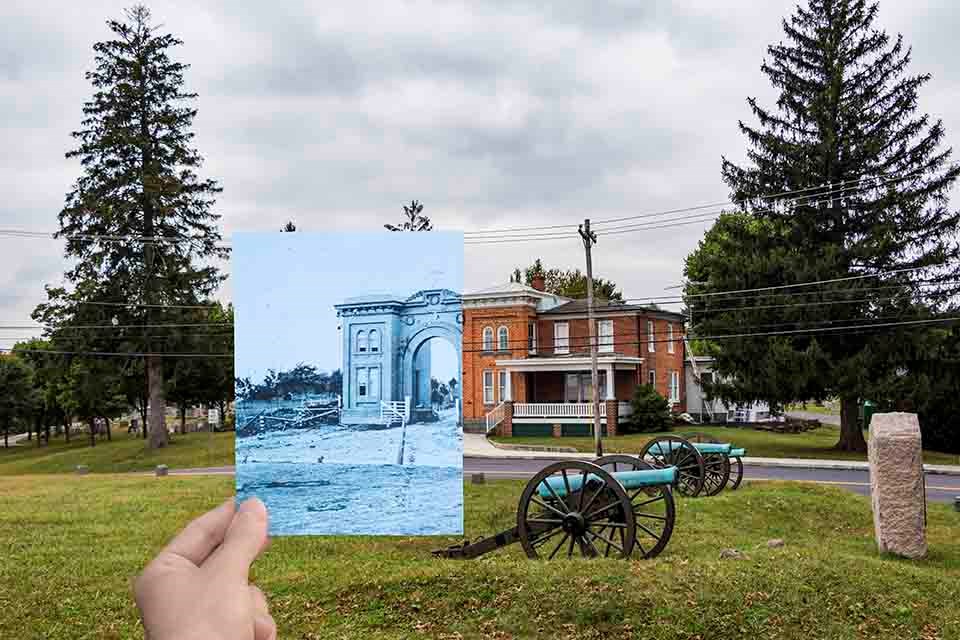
118	326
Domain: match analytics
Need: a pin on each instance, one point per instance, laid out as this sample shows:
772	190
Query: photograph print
348	365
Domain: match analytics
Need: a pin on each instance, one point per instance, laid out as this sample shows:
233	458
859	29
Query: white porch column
509	390
610	382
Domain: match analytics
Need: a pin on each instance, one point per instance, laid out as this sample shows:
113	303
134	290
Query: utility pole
589	239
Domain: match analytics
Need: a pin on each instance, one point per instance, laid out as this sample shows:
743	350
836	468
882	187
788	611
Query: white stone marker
896	484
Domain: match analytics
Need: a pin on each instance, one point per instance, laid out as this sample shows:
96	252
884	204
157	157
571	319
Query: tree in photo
651	412
414	220
570	283
19	399
49	379
289	227
94	394
138	223
870	181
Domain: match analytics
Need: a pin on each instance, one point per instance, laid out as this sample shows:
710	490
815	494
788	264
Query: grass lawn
818	443
812	408
123	453
74	543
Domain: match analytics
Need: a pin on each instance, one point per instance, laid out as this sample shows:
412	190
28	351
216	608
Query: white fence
553	410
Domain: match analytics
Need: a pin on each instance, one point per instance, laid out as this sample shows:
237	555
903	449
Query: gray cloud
494	113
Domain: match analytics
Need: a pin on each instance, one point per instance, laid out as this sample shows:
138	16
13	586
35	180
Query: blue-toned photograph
348	365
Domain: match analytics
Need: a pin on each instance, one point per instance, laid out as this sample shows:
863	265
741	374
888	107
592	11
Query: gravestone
896	484
162	470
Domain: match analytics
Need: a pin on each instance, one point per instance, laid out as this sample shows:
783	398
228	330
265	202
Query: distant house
526	360
699	373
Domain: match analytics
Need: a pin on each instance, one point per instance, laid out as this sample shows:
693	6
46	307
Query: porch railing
553	410
395	411
495	417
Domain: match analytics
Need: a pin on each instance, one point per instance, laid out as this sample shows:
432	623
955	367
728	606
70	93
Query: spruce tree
138	223
847	134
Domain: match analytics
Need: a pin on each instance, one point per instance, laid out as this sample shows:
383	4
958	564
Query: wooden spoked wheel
717	467
736	473
672	451
572	509
653	507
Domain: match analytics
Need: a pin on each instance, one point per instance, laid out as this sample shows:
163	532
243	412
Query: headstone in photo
82	469
897	492
348	357
162	470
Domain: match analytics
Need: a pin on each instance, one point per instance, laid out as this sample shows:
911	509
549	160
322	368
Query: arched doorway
431	373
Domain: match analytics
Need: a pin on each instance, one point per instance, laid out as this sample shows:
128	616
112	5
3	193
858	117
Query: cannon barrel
738	453
629	480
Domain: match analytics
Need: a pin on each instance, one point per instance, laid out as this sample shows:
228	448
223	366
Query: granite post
896	484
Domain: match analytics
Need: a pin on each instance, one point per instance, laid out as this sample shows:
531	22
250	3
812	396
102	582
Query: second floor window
374	341
503	339
605	336
488	338
532	337
651	340
561	337
669	338
362	342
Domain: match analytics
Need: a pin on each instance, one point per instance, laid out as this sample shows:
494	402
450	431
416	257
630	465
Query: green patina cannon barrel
629	480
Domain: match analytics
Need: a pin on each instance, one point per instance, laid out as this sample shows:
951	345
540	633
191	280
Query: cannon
705	465
616	506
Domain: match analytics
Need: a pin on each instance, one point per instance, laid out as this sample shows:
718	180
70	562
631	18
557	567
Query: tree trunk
6	431
46	434
29	432
851	435
143	414
93	433
183	420
67	426
106	421
158	405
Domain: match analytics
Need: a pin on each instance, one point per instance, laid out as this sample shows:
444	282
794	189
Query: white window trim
651	337
674	387
532	344
488	345
670	338
652	373
503	330
561	346
501	378
485	387
605	343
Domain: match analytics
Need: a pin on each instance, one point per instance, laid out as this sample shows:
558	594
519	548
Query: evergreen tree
138	223
846	133
415	220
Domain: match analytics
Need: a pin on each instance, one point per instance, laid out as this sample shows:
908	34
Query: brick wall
661	361
475	361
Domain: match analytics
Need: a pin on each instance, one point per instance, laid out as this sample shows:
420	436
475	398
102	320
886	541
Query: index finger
201	536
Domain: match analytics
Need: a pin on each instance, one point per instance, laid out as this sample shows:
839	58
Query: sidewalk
477	446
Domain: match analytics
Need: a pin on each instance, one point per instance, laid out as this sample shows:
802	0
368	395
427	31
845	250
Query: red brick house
526	360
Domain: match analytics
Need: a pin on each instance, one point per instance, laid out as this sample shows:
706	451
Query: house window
503	339
374	341
362	341
488	338
561	337
605	335
532	337
488	387
674	386
652	378
502	385
578	387
651	342
669	338
706	378
363	383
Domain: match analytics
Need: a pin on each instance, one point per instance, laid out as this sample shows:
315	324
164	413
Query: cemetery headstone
896	484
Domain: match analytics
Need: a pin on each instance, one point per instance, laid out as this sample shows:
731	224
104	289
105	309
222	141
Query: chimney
538	283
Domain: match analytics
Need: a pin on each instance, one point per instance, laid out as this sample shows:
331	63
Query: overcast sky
494	113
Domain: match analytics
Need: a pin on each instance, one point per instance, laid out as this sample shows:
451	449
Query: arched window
374	341
362	342
488	338
503	339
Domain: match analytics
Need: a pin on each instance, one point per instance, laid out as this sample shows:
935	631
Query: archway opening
436	382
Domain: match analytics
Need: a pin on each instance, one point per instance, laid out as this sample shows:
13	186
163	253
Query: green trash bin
868	410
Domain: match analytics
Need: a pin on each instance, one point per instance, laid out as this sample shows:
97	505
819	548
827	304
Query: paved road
824	418
940	488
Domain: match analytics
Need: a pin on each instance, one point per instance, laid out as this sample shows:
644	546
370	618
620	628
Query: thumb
245	539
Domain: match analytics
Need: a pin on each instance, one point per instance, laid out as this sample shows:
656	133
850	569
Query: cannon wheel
736	473
717	468
691	468
653	507
580	520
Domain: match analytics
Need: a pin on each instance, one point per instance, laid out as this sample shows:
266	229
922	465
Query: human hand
196	588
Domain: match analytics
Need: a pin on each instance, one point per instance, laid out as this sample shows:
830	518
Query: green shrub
651	412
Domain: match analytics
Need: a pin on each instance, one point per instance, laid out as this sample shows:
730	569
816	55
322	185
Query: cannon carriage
705	465
616	506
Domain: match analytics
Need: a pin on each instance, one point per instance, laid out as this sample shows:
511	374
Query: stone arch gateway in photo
348	380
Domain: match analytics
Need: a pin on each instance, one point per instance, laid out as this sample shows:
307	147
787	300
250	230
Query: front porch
553	396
